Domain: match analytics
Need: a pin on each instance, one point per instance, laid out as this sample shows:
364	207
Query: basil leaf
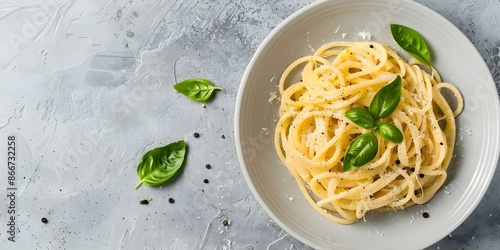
361	151
412	42
390	132
196	89
160	164
386	100
361	117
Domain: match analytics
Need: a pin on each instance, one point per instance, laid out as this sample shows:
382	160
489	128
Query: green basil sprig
365	147
160	164
389	132
361	117
197	89
412	42
386	100
361	151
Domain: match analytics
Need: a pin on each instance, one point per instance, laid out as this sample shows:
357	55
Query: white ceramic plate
458	62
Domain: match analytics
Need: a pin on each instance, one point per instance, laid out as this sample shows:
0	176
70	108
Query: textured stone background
86	86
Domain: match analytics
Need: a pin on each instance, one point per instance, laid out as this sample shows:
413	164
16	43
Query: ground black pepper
371	46
44	220
208	166
225	223
223	137
397	162
206	180
144	202
421	175
196	135
425	215
171	200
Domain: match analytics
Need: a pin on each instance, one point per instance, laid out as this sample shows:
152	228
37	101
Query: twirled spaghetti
313	133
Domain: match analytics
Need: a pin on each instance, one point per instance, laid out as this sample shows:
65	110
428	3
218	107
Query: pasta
312	134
